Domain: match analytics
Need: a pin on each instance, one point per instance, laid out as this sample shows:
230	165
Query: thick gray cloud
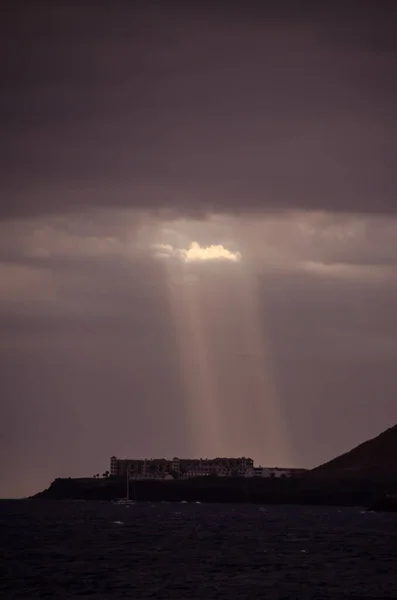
130	132
199	110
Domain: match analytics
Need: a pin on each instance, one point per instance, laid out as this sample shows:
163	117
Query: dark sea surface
190	551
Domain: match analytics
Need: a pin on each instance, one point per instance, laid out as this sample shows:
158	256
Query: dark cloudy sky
267	137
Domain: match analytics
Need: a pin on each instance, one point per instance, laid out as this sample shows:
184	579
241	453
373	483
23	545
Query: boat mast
128	483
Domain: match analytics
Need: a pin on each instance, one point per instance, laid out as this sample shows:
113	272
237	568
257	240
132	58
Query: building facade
187	468
160	468
157	468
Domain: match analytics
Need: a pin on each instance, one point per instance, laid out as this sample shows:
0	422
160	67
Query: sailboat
126	501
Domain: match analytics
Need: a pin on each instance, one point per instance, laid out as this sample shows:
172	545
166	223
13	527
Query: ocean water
191	551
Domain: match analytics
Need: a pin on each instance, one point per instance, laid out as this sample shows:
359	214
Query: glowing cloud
197	253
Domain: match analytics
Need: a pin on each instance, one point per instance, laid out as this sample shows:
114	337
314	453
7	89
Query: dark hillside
375	459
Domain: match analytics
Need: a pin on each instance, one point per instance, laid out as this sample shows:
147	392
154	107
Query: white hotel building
180	468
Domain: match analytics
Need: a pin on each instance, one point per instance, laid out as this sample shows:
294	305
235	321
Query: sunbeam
231	401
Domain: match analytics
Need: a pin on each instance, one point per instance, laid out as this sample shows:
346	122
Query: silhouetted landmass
371	465
373	460
206	489
365	476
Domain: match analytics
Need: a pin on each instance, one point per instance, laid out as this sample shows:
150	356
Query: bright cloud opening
197	253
